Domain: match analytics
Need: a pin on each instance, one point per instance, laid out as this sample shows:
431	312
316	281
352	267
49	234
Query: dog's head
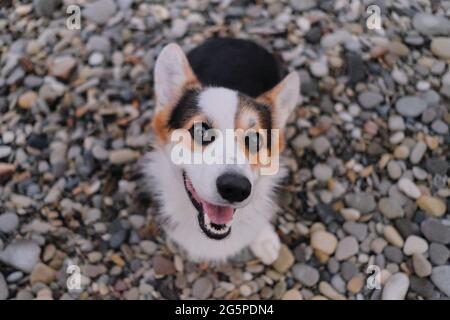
226	137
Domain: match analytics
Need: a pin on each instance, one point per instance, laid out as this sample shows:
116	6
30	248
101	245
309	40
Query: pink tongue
218	214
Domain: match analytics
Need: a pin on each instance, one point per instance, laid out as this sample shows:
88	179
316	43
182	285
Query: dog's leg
266	246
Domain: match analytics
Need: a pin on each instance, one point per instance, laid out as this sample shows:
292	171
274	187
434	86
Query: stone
4	291
21	254
363	202
396	287
322	172
27	100
100	11
292	294
321	145
410	106
396	123
42	273
435	231
440	47
418	152
415	244
9	222
392	236
324	241
202	288
439	254
369	99
409	188
390	208
437	166
441	278
393	254
319	69
358	230
440	127
431	25
355	284
394	170
123	156
163	266
306	274
422	267
422	286
284	261
5	151
327	290
149	247
62	67
346	248
45	8
433	206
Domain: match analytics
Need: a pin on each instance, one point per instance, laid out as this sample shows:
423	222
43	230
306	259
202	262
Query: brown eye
253	141
202	133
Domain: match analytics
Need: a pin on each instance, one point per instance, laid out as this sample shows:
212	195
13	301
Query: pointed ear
284	98
172	73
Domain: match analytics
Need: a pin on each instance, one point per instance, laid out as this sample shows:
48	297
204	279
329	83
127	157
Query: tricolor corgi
214	209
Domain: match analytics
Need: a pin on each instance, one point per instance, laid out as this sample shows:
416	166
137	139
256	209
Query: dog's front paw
266	245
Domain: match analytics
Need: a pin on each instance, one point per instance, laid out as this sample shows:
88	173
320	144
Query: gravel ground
368	150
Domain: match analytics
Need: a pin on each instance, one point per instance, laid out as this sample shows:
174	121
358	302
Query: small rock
322	172
5	151
100	11
163	266
390	208
435	207
27	100
439	254
409	188
346	248
285	260
202	288
123	156
8	222
421	265
63	66
21	254
440	47
369	99
4	292
292	294
363	202
396	287
392	236
441	279
435	231
324	241
306	274
418	152
415	244
45	8
410	106
42	273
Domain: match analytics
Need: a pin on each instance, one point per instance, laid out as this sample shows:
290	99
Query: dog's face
222	125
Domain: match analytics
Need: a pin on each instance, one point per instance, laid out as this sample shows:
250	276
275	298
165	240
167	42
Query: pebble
396	287
5	151
410	106
306	274
322	172
435	231
363	202
284	261
202	288
42	274
4	291
8	222
292	294
433	206
346	248
100	11
319	69
415	244
163	266
21	254
392	236
422	267
439	254
418	152
369	99
123	156
409	188
63	66
324	241
441	279
440	46
390	208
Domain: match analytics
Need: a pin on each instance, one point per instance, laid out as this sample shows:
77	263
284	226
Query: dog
213	211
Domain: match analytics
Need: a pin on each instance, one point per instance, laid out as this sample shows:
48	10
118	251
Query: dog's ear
172	74
283	98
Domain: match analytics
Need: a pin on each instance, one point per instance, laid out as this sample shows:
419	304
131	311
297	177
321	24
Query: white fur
170	74
288	97
165	180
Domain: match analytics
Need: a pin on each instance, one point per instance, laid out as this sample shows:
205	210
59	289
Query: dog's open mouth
215	221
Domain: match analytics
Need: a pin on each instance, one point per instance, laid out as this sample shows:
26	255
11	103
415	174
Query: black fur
185	109
235	64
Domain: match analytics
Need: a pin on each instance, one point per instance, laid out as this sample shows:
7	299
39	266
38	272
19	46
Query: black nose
233	187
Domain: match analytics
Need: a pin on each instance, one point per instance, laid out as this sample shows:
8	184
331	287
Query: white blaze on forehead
220	105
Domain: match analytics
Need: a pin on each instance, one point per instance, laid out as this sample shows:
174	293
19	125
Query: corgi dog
214	210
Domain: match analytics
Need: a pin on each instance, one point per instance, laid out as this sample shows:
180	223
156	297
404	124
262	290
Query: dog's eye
202	133
253	141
